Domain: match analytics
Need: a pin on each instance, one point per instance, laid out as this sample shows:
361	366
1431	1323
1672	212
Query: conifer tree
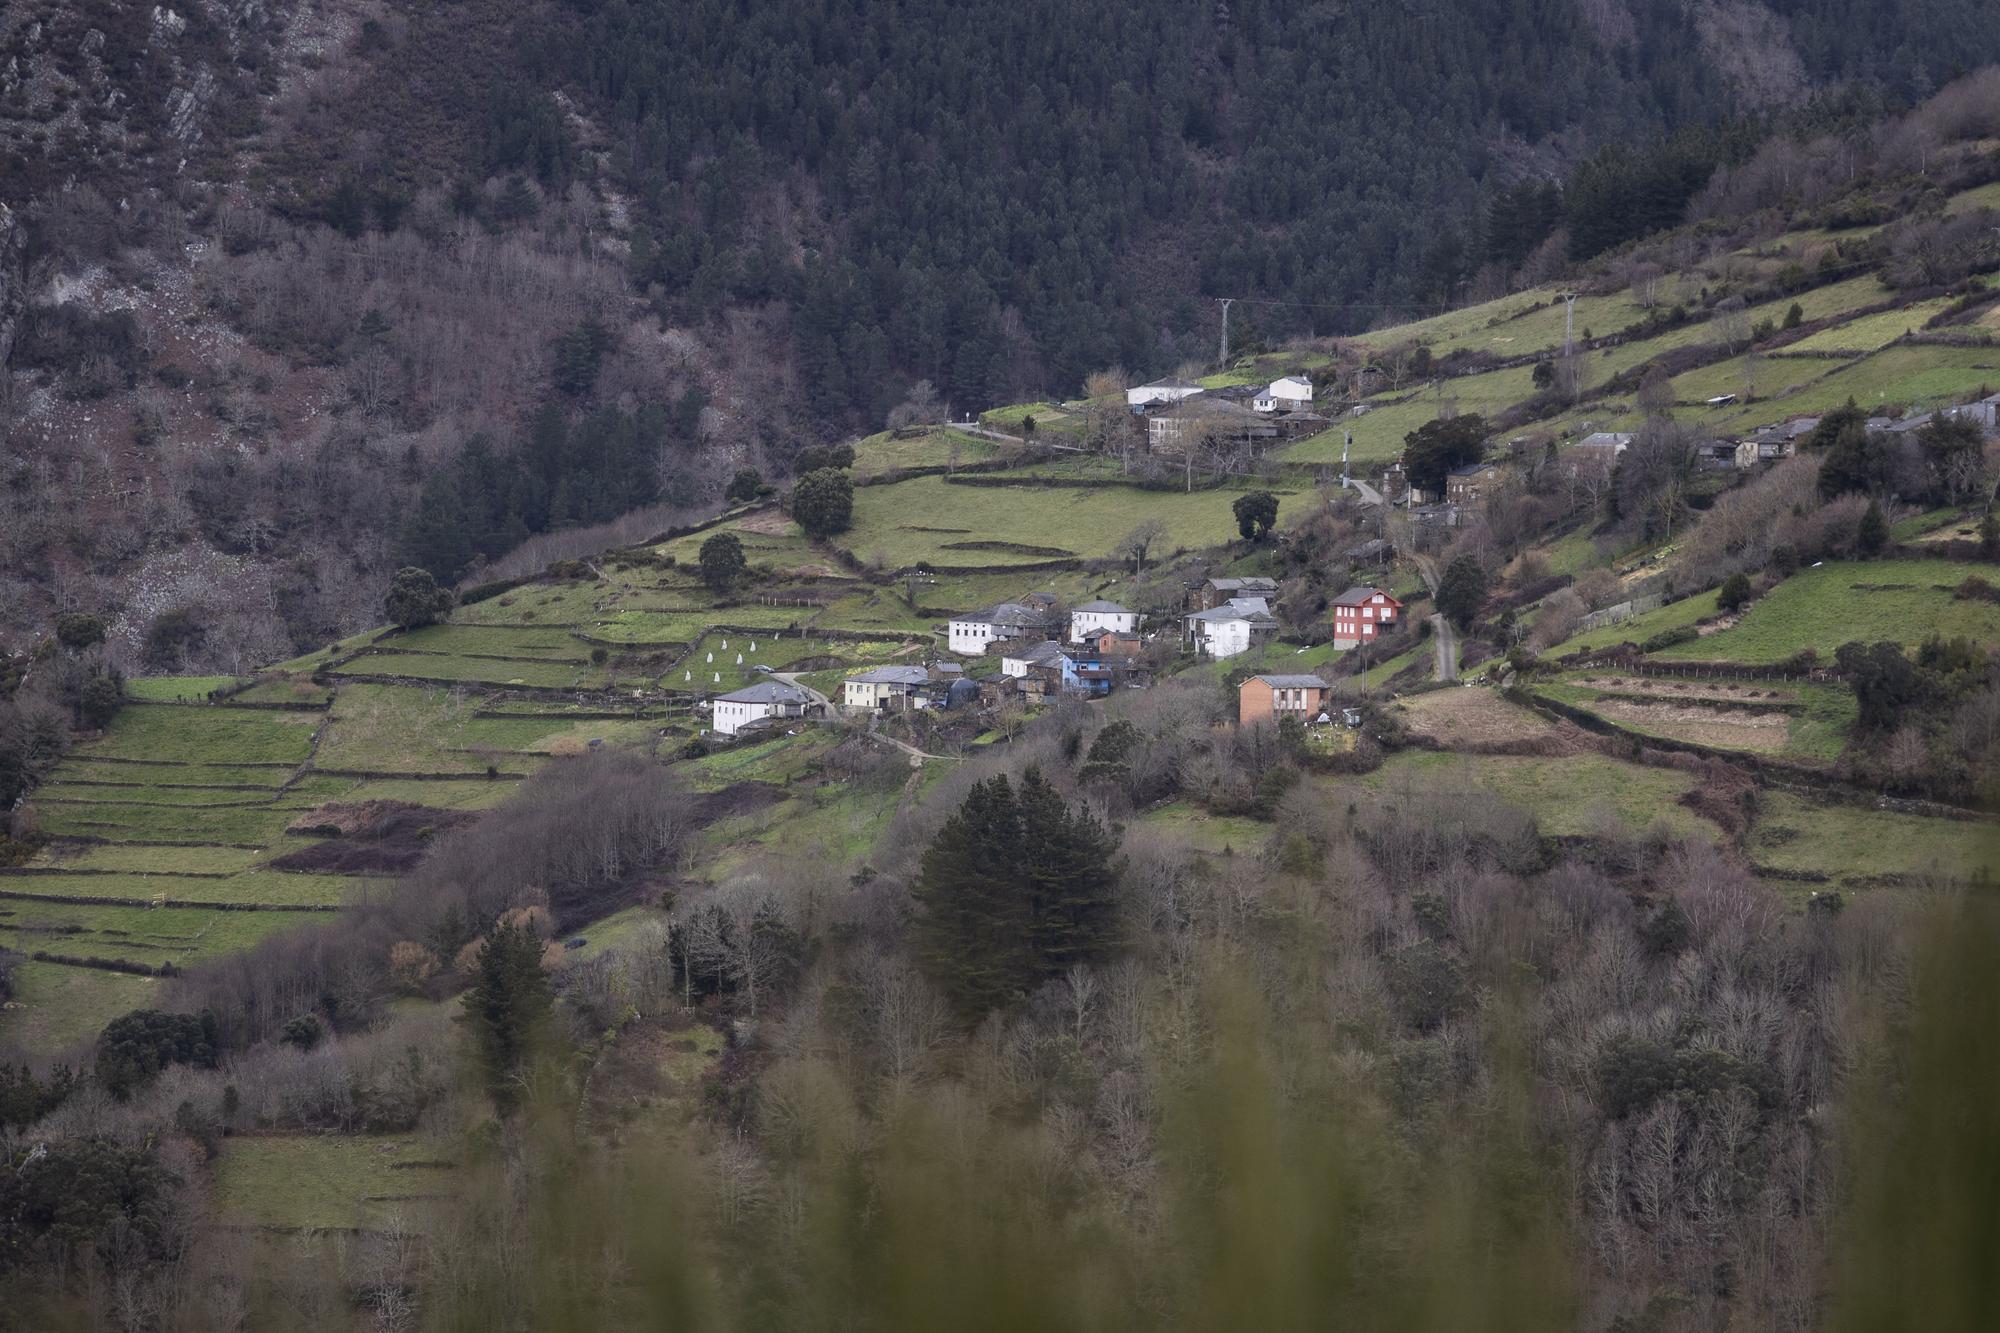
508	1009
973	936
1069	876
1015	889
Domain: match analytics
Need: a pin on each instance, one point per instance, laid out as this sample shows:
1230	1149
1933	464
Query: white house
1093	618
1018	662
1293	393
882	688
1168	390
1236	626
767	698
976	632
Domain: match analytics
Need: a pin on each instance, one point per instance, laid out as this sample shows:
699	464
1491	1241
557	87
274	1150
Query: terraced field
1901	601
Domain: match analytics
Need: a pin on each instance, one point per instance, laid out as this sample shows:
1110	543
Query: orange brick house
1360	614
1267	698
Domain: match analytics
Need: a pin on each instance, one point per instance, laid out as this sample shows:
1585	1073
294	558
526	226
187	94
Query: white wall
972	637
1082	624
1225	638
729	717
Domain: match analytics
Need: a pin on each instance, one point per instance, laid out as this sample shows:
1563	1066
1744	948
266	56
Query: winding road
1444	637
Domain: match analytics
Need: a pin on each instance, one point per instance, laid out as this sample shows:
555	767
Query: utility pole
1346	445
1226	300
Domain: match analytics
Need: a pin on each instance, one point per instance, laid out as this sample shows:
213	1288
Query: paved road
1446	638
1447	649
1369	495
792	678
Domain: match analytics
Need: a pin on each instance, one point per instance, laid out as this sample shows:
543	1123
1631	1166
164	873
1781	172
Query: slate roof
1293	682
892	675
766	692
1358	596
1253	583
1005	613
1251	609
1103	608
1040	654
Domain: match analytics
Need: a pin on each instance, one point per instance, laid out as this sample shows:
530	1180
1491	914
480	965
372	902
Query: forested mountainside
290	288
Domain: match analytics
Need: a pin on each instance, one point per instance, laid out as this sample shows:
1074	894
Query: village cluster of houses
1044	654
1181	415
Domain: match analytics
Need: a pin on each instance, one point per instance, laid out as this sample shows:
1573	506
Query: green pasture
215	735
275	888
472	670
941	447
175	689
1852	845
61	1007
1871	332
1572	796
538	604
928	521
1189	824
1901	601
1639	628
284	688
509	641
330	1181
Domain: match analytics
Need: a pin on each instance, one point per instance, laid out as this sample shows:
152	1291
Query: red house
1359	614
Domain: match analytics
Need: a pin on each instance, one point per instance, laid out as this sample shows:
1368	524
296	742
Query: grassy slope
1568	796
1903	601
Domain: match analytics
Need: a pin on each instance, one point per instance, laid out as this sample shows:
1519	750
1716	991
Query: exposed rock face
13	279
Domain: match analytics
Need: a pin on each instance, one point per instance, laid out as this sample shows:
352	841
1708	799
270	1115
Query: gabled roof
1359	595
892	675
1299	381
1171	383
1102	607
1293	682
1251	609
1003	613
1252	583
1470	470
766	692
1037	654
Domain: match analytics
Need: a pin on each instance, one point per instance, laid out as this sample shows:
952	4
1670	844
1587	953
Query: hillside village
1687	578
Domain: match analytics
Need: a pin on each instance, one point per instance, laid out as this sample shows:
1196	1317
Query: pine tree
1069	876
973	936
508	1009
1873	534
1015	889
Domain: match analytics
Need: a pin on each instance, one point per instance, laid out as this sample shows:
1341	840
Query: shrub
1976	589
415	600
1736	592
823	503
79	630
1668	638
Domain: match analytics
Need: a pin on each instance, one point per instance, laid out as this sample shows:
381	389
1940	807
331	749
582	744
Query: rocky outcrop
13	279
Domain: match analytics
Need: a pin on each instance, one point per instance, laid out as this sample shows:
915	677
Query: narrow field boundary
7	872
167	900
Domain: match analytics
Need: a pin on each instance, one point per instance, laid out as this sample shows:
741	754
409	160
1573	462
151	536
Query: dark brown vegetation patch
367	837
740	798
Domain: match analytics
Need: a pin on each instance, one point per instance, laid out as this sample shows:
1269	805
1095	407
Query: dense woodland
276	282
